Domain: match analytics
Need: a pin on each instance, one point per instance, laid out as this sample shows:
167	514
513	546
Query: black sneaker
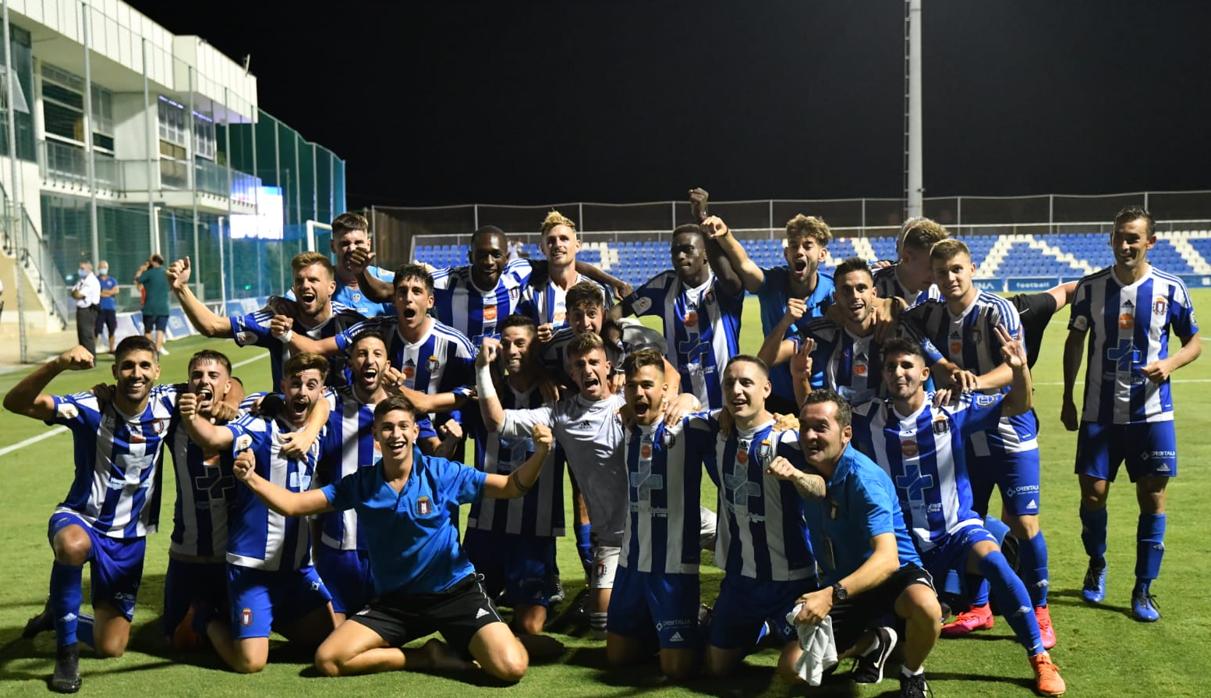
555	593
869	667
40	623
67	669
913	686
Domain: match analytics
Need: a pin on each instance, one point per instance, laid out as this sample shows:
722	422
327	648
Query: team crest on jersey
559	317
909	449
691	319
246	617
489	313
641	305
742	454
956	344
860	365
976	336
433	361
645	451
1160	305
765	452
423	506
941	425
409	369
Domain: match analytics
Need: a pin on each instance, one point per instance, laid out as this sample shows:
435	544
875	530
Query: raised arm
206	322
520	481
721	263
276	497
808	485
27	399
621	288
721	240
203	433
1021	391
490	407
776	349
296	443
801	369
1074	347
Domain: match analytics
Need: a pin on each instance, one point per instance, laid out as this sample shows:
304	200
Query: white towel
819	647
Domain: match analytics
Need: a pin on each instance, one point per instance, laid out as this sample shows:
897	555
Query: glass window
203	136
63	121
172	121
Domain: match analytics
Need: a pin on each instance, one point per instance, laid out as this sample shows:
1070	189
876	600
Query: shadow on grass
1073	597
1026	683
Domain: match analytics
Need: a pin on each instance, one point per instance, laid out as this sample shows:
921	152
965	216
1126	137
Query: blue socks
584	546
1013	600
1150	547
65	596
1093	533
1032	564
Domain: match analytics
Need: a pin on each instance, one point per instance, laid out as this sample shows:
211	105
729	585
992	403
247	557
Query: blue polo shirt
411	536
108	302
773	296
860	505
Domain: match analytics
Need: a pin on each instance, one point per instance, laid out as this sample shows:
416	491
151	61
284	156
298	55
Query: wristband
483	382
287	337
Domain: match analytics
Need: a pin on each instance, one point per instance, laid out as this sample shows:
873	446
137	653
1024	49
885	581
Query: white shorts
605	565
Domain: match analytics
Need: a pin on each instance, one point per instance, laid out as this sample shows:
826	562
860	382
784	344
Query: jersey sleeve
1081	318
520	269
247	432
343	494
1181	314
441	277
459	374
459	482
346	337
78	411
521	422
252	328
874	504
648	298
976	412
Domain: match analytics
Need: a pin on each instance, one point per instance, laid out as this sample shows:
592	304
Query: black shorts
874	608
457	614
155	322
107	318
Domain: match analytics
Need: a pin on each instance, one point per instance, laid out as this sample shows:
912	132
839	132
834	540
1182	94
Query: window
203	136
172	122
63	109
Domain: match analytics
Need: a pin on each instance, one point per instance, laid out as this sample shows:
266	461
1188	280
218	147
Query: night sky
536	102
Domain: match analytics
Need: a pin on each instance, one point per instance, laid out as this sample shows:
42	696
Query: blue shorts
1015	474
188	583
646	602
346	574
1150	450
953	552
745	604
155	322
521	566
257	594
115	565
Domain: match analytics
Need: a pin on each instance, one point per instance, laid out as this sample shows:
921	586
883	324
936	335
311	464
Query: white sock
912	672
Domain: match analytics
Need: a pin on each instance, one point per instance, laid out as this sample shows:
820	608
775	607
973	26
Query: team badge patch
1160	305
423	506
246	617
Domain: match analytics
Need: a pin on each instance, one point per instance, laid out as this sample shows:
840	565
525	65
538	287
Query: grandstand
1009	262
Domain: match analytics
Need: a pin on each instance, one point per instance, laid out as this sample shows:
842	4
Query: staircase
45	286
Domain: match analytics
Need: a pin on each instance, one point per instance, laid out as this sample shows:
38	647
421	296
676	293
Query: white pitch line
1171	380
63	430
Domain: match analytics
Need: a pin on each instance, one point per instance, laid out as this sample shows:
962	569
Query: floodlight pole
914	184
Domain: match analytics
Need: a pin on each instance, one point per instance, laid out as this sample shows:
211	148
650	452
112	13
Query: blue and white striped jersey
888	285
253	328
257	536
701	329
969	341
545	302
1130	326
850	365
351	297
540	513
664	485
347	444
762	526
925	455
205	488
476	312
116	487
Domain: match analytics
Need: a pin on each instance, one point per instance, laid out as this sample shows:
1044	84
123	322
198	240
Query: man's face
135	372
953	276
915	267
347	243
1131	243
856	295
585	318
560	246
313	287
745	389
302	390
413	300
822	439
804	254
210	381
590	372
367	361
103	269
645	392
689	255
488	255
396	432
515	345
904	375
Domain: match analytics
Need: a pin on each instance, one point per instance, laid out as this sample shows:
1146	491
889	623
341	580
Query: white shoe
163	351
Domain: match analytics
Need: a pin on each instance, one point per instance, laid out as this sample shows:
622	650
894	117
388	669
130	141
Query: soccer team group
854	455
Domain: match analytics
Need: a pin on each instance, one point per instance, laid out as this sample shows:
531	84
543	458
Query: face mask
82	272
103	271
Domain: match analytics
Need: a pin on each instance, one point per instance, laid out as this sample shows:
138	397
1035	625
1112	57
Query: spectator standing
107	316
87	293
155	301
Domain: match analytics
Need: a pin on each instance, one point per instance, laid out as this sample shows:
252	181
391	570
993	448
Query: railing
68	164
36	259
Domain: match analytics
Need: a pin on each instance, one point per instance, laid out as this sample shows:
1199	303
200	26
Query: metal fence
396	228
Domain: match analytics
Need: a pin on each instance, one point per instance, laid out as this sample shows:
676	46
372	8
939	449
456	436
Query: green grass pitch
1101	650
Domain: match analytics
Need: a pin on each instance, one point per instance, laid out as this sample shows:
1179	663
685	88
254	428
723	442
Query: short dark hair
488	230
899	345
394	402
357	339
921	234
210	355
413	271
688	228
303	362
303	260
648	356
1130	213
851	265
845	415
948	249
157	260
748	358
519	320
582	344
135	342
348	222
584	292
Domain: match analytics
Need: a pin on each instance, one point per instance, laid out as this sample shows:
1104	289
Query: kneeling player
408	504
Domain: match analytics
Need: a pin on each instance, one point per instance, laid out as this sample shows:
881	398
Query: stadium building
130	140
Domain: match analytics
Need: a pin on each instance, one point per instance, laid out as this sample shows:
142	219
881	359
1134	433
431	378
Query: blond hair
555	218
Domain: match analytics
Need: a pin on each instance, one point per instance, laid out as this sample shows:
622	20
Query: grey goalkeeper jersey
591	435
